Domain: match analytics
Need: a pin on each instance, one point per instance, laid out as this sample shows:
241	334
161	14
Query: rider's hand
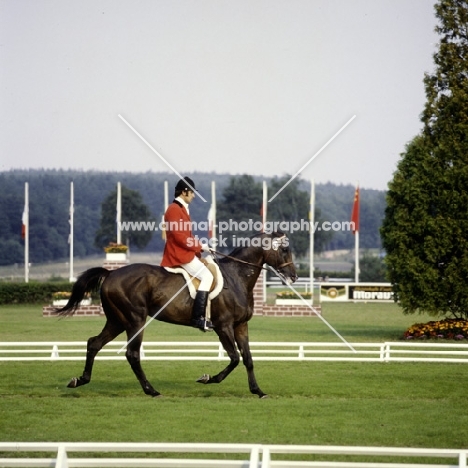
205	248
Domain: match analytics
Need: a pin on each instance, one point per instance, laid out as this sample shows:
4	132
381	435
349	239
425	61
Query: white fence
261	351
252	455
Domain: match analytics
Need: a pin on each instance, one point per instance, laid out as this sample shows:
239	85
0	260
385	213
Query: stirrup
203	325
207	326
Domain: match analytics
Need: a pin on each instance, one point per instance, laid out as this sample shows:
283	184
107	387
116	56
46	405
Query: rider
182	249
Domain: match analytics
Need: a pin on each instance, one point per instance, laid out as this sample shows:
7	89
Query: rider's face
188	196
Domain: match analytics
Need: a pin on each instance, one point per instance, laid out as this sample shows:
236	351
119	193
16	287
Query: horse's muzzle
289	280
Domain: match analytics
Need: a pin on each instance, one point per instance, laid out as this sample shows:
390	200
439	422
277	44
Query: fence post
142	352
382	352
62	460
387	352
55	352
220	352
301	352
462	459
266	458
254	456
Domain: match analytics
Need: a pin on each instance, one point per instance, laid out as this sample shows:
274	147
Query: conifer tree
425	229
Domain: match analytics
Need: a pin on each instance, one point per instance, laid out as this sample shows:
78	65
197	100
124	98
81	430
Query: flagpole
355	218
166	195
264	205
356	257
72	209
264	218
212	216
119	212
166	204
26	234
311	237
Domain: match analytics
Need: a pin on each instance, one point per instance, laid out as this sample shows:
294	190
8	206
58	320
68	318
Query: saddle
193	283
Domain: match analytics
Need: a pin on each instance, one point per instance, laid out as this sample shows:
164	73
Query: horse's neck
250	255
254	258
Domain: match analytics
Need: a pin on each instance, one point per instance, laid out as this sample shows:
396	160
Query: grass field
355	322
393	404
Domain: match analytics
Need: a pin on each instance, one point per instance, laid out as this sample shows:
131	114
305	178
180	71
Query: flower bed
292	295
60	295
450	329
115	248
116	252
60	299
290	298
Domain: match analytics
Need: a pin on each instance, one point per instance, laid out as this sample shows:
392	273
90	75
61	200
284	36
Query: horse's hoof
263	397
205	378
157	395
73	383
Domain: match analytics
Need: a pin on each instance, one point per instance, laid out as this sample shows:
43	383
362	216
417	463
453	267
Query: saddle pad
193	283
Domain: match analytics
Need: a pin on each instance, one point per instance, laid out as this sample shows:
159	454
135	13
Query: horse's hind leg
95	344
242	339
133	357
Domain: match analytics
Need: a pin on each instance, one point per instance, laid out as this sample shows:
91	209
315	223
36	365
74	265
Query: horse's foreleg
241	334
95	344
133	357
226	337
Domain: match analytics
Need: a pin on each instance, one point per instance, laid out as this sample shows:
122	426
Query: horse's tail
88	281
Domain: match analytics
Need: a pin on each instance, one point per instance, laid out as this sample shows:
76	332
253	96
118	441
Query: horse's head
278	256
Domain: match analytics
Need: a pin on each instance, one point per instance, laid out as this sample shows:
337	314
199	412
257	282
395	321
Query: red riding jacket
181	247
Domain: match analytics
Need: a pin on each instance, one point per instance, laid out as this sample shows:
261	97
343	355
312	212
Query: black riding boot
198	312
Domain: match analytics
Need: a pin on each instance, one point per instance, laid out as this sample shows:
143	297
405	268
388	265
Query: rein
261	267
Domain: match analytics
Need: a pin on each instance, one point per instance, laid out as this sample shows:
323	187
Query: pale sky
238	86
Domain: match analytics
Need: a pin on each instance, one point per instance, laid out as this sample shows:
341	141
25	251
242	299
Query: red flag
24	224
355	212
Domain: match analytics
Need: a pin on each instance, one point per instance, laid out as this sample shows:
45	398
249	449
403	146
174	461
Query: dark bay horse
132	293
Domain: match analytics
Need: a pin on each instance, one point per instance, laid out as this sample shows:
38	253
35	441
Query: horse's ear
279	241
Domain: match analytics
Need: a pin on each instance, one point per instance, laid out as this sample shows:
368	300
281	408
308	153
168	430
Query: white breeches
199	270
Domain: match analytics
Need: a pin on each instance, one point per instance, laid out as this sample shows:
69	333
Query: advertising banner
362	292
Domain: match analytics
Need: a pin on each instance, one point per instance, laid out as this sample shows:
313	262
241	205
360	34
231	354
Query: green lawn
393	404
418	405
355	322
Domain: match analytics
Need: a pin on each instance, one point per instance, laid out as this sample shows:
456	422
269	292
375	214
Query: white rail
261	351
255	455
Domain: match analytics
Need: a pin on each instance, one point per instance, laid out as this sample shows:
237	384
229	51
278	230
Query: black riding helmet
185	184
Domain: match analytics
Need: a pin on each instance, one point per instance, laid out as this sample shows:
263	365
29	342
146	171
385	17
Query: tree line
238	197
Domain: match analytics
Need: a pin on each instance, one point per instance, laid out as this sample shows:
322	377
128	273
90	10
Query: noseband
285	264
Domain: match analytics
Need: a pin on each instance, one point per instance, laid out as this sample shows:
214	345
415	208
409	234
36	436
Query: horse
131	294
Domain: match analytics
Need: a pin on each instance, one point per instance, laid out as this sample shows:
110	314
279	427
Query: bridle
261	267
276	269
